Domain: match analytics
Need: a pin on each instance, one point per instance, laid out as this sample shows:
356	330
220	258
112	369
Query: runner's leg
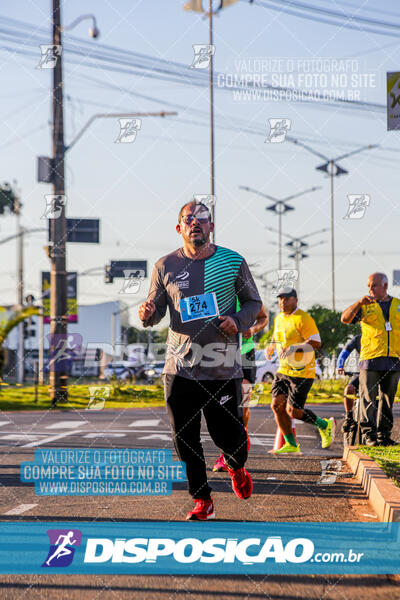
388	387
225	421
279	391
184	399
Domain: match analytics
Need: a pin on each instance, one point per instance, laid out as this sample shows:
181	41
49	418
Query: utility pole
211	86
58	227
20	292
331	173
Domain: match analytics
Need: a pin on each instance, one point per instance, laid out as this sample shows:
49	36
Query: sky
137	188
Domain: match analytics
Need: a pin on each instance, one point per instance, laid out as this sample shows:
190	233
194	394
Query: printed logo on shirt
224	399
183	278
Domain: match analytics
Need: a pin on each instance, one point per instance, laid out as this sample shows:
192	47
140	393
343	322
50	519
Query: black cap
287	292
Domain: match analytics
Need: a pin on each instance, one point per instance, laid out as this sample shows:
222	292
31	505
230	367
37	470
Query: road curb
383	494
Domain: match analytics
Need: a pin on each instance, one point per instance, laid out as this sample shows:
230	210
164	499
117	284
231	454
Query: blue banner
200	548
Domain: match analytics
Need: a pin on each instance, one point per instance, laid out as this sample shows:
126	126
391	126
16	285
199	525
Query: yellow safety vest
376	340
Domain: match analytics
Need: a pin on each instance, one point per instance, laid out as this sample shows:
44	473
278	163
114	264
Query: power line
330	17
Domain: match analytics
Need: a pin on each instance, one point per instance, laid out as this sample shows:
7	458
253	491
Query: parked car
266	369
152	371
122	370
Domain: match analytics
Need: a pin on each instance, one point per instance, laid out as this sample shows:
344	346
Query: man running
351	389
295	337
247	350
199	283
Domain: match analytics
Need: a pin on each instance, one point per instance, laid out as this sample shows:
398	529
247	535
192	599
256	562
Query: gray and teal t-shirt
199	349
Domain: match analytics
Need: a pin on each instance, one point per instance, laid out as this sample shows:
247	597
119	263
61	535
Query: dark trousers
377	392
220	402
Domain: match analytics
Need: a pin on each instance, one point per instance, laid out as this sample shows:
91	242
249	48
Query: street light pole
280	207
279	211
58	228
211	85
297	245
333	170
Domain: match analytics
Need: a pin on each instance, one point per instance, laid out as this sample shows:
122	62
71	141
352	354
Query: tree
333	331
266	337
135	335
9	202
8	325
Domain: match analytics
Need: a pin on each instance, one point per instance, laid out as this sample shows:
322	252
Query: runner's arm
353	344
261	322
158	294
310	333
353	313
343	356
249	298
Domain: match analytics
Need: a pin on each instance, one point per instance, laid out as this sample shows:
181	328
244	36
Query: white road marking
255	441
4	423
145	423
66	425
17	437
104	434
159	436
21	508
47	440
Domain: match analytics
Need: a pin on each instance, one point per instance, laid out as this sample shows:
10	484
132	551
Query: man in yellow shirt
295	338
379	316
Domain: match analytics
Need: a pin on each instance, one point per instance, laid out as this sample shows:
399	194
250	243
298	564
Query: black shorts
294	388
355	381
249	366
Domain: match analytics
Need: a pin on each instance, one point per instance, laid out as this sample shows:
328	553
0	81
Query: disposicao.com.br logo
190	550
157	547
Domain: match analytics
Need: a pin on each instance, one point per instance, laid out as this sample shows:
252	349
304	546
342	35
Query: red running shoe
220	464
203	510
242	484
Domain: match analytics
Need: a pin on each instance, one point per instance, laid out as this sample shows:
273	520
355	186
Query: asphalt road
285	489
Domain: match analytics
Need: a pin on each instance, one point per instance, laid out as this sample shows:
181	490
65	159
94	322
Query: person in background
351	389
295	337
379	316
247	349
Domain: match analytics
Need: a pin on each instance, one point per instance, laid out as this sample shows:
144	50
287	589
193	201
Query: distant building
94	325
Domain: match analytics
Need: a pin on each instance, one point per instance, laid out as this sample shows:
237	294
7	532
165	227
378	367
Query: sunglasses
188	219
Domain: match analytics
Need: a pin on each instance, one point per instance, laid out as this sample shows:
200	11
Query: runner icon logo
61	551
357	206
202	56
278	129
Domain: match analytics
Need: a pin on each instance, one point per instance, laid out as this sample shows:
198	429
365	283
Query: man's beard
199	242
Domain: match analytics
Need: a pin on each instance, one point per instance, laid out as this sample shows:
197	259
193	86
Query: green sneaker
288	449
328	434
